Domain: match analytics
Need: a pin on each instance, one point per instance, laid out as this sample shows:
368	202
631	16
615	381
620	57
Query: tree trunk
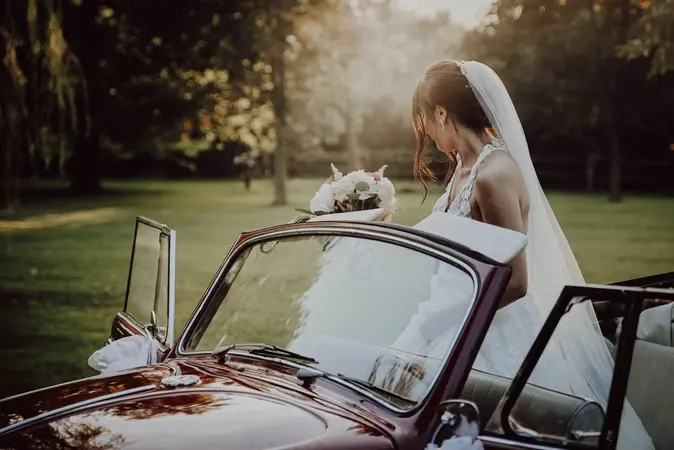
280	174
590	169
83	168
352	143
280	106
6	192
615	174
351	128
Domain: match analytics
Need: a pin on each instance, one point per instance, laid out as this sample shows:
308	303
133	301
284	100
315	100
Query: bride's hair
444	85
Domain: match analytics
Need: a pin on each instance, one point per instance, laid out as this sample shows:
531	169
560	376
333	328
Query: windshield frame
413	240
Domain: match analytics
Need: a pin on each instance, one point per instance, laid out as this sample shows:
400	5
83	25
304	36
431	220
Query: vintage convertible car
309	337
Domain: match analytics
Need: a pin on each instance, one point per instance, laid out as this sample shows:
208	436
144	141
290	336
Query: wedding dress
514	327
512	330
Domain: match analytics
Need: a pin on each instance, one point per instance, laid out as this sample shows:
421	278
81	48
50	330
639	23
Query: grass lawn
64	261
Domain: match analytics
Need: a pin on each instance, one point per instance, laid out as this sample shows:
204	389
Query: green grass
62	281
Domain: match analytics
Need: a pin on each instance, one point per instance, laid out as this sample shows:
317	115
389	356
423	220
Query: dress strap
490	148
461	204
448	189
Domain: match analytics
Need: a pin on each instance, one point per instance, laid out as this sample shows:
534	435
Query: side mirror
459	419
151	328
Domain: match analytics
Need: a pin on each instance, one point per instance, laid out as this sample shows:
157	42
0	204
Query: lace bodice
460	206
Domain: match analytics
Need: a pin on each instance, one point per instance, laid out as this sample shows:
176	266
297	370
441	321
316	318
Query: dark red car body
248	402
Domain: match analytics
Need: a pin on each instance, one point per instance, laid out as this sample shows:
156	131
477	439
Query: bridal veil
551	263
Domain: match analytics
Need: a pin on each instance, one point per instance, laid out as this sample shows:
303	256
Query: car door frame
124	324
491	279
663	280
634	299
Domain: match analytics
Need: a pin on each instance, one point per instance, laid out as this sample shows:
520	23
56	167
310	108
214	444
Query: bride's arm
499	189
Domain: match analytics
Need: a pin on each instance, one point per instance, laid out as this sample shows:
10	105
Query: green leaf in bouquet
305	211
320	213
362	186
353	196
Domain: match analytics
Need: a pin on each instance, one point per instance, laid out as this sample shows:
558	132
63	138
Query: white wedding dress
512	330
514	327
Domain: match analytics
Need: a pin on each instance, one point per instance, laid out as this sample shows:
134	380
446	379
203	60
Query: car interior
649	392
546	412
649	389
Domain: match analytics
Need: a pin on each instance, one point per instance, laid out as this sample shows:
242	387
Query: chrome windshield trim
504	442
335	379
345	231
66	409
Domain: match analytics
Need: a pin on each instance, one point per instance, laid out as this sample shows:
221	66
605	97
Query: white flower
347	192
380	172
360	176
341	188
386	194
323	201
336	174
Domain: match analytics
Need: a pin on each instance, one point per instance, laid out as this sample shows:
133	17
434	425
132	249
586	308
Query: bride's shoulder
499	171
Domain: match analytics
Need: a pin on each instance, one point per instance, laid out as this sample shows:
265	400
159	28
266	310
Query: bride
466	110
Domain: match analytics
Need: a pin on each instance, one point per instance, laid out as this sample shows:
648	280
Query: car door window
649	389
150	285
554	407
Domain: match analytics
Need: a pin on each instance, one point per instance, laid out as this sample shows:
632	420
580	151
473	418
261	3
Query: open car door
149	305
661	281
529	415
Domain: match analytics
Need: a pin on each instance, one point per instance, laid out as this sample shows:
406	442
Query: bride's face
442	130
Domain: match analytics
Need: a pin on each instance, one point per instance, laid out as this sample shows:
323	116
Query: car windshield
367	310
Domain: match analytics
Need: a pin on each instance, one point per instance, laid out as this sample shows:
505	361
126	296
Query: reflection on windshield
362	308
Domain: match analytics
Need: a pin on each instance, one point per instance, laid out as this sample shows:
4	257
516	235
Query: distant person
247	177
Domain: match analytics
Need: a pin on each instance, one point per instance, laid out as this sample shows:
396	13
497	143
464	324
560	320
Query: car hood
237	405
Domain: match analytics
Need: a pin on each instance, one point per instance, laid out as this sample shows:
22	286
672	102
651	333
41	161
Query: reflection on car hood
248	406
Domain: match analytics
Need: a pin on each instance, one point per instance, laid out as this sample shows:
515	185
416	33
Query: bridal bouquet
355	191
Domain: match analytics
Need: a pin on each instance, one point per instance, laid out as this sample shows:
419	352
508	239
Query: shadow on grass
73	218
30	194
46	337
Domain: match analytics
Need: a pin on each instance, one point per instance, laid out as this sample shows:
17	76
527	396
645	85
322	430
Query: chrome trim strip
351	386
65	409
377	235
517	444
171	291
154	224
53	386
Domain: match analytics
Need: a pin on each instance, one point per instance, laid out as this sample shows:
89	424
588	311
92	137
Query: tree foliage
577	95
87	81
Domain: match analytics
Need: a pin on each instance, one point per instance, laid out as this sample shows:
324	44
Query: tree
362	58
561	61
42	89
67	98
274	27
146	77
650	35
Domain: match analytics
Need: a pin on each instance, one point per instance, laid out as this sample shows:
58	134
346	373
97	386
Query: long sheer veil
550	261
